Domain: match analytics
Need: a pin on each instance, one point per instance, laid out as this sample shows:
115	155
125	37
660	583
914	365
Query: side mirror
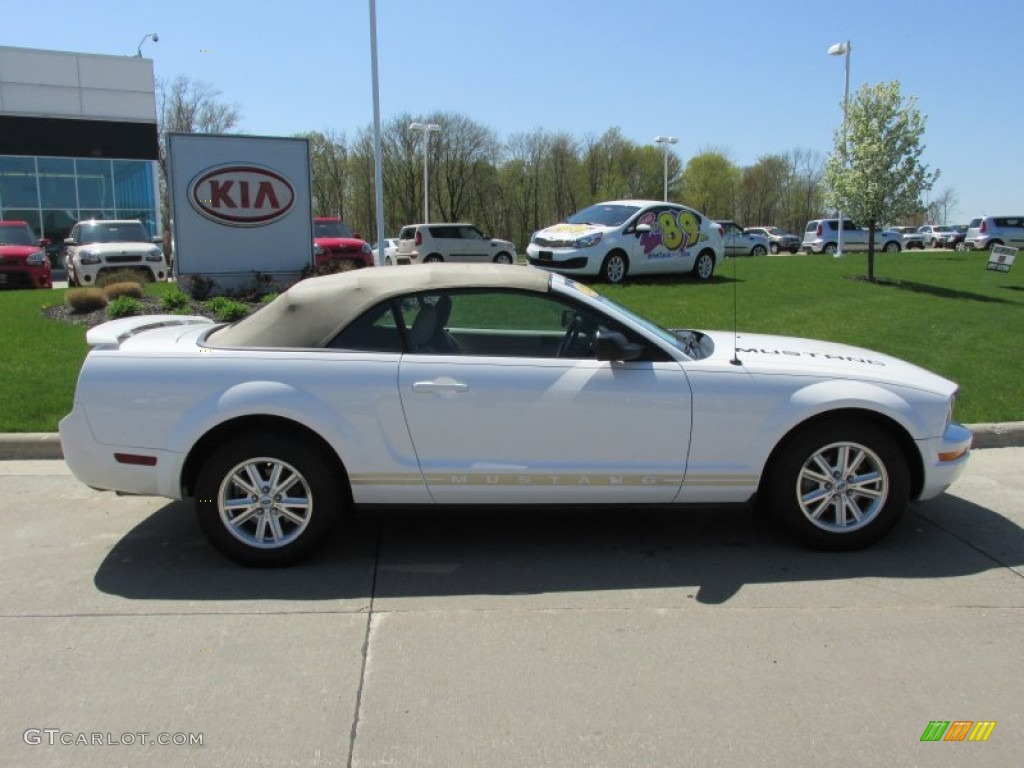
158	240
615	347
643	228
43	242
69	241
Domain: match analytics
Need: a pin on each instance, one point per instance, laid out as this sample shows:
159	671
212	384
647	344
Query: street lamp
156	39
427	129
665	141
842	49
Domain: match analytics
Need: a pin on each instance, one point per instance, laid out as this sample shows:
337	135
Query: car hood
104	248
569	232
766	354
18	251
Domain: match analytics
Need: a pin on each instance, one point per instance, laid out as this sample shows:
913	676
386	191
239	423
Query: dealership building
78	140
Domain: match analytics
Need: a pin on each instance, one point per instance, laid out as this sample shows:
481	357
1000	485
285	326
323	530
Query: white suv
112	245
424	243
986	231
742	242
635	237
822	236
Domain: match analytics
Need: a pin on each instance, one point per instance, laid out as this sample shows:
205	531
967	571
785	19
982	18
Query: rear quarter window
1010	221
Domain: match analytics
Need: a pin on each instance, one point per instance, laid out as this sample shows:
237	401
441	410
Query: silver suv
741	242
986	231
822	236
424	243
778	239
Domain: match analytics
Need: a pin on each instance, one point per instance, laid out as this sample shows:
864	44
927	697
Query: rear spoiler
111	334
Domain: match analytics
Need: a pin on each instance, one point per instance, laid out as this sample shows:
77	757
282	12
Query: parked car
333	240
935	234
390	252
778	239
99	246
955	238
630	237
739	242
491	384
986	231
458	243
822	236
23	262
911	237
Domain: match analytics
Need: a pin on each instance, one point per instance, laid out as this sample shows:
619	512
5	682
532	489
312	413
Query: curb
46	445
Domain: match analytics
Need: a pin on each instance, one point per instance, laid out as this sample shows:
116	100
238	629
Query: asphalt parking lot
477	638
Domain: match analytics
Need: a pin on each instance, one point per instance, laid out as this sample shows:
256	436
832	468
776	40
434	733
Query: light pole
842	49
427	129
665	141
153	35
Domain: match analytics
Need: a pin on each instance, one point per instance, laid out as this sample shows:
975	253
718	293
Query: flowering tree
875	173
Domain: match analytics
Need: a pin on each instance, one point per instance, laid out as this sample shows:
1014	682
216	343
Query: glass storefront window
133	184
18	182
95	184
57	183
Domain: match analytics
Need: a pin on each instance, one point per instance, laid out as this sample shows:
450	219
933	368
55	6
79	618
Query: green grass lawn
940	309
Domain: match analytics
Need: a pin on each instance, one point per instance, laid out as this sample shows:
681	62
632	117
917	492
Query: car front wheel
839	485
614	267
267	500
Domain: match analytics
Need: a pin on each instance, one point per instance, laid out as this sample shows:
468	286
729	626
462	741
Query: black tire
615	267
795	249
892	247
704	266
992	244
830	248
961	246
818	510
774	248
759	250
504	258
434	258
299	528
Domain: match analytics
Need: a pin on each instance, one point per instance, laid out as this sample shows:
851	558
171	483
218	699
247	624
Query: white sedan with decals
492	384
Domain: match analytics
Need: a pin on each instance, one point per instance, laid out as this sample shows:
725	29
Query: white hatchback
634	237
457	243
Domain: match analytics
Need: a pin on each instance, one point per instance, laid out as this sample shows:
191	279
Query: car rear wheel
839	485
433	258
892	247
830	249
961	246
759	250
615	267
774	247
704	267
266	500
503	258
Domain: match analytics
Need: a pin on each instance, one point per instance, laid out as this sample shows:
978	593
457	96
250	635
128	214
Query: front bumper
563	259
25	277
944	459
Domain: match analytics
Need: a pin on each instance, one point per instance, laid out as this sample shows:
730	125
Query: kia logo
241	195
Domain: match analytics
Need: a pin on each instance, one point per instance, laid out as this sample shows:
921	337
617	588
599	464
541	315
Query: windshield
603	214
16	234
109	232
331	229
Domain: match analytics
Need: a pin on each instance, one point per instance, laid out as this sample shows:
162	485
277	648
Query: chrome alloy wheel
265	503
842	487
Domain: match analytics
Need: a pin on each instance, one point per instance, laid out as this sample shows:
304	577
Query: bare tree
940	209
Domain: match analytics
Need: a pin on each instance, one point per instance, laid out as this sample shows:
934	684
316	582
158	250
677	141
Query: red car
334	241
23	262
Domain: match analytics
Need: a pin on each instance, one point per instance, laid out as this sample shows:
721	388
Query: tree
875	173
940	208
709	183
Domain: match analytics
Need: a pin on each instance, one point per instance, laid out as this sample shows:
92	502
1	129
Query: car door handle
440	386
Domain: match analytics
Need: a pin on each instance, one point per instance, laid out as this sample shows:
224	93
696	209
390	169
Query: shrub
225	309
175	301
268	297
198	287
141	276
113	290
123	306
85	299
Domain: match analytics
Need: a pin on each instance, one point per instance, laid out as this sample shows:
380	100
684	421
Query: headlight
88	257
588	240
366	249
36	259
155	255
318	250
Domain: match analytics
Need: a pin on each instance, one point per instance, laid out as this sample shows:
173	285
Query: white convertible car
491	384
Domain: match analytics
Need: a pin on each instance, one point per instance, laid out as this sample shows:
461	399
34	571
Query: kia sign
241	195
241	209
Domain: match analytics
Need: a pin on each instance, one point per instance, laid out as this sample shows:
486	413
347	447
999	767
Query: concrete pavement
481	638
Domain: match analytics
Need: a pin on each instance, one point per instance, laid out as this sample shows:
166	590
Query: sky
746	77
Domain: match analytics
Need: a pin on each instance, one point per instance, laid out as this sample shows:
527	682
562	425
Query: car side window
376	330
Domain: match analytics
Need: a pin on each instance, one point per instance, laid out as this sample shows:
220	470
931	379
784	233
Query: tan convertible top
311	312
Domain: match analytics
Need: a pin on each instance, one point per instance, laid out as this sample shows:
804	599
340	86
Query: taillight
984	226
818	233
419	238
